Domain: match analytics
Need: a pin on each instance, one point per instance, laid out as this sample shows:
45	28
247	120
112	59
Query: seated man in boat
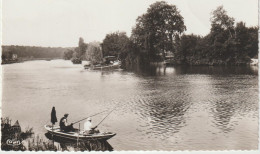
88	129
64	126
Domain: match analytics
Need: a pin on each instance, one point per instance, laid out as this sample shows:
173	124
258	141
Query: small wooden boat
78	136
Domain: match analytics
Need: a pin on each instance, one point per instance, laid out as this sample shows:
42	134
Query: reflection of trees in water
157	70
218	70
222	113
93	145
237	98
166	115
162	104
149	70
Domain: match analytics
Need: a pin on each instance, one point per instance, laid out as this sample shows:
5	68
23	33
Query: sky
60	23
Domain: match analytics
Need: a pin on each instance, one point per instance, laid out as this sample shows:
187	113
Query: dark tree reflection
223	112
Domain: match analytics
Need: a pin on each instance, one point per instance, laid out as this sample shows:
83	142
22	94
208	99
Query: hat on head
66	114
89	119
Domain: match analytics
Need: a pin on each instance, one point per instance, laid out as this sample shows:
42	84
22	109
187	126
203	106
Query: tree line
32	52
161	30
226	44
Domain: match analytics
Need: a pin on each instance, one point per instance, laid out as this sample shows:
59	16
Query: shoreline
23	60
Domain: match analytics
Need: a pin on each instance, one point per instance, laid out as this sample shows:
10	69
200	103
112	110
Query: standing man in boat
64	124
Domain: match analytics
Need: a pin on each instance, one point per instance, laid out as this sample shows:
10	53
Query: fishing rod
88	117
105	117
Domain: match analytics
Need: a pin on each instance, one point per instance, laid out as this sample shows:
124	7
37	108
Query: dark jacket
62	124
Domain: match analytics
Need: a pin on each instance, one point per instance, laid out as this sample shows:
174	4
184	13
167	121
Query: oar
88	117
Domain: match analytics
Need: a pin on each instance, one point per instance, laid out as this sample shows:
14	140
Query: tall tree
94	53
222	34
156	30
220	21
115	44
81	49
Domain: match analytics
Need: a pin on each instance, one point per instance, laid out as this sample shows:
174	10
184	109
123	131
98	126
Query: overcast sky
61	22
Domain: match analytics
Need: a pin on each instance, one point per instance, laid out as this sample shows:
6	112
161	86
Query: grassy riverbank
14	139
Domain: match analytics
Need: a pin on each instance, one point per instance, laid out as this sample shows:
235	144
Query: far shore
20	60
254	62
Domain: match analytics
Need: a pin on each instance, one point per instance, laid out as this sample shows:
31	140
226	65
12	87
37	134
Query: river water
172	108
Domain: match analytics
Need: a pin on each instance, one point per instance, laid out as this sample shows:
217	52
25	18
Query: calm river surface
173	108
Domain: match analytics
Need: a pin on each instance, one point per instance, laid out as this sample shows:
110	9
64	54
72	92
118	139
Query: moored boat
78	136
114	65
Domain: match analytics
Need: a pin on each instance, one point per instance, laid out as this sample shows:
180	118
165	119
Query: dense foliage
94	53
81	49
226	44
32	52
160	30
78	52
156	30
68	54
115	44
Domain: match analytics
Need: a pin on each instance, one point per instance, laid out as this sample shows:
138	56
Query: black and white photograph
129	75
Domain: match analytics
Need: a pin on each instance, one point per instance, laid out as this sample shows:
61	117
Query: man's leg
69	128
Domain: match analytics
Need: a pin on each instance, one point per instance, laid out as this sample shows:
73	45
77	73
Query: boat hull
78	136
108	67
115	65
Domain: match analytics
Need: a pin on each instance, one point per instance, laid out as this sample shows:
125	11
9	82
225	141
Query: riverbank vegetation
13	138
160	33
226	44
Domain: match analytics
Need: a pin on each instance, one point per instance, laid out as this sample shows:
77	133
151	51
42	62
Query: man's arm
94	127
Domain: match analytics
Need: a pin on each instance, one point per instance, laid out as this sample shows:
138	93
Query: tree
68	54
33	51
81	49
115	44
93	52
220	21
246	40
226	44
187	45
222	35
156	30
253	42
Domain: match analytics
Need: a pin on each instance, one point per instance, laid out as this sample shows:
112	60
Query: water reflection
70	145
223	112
164	108
150	70
166	117
153	70
216	70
